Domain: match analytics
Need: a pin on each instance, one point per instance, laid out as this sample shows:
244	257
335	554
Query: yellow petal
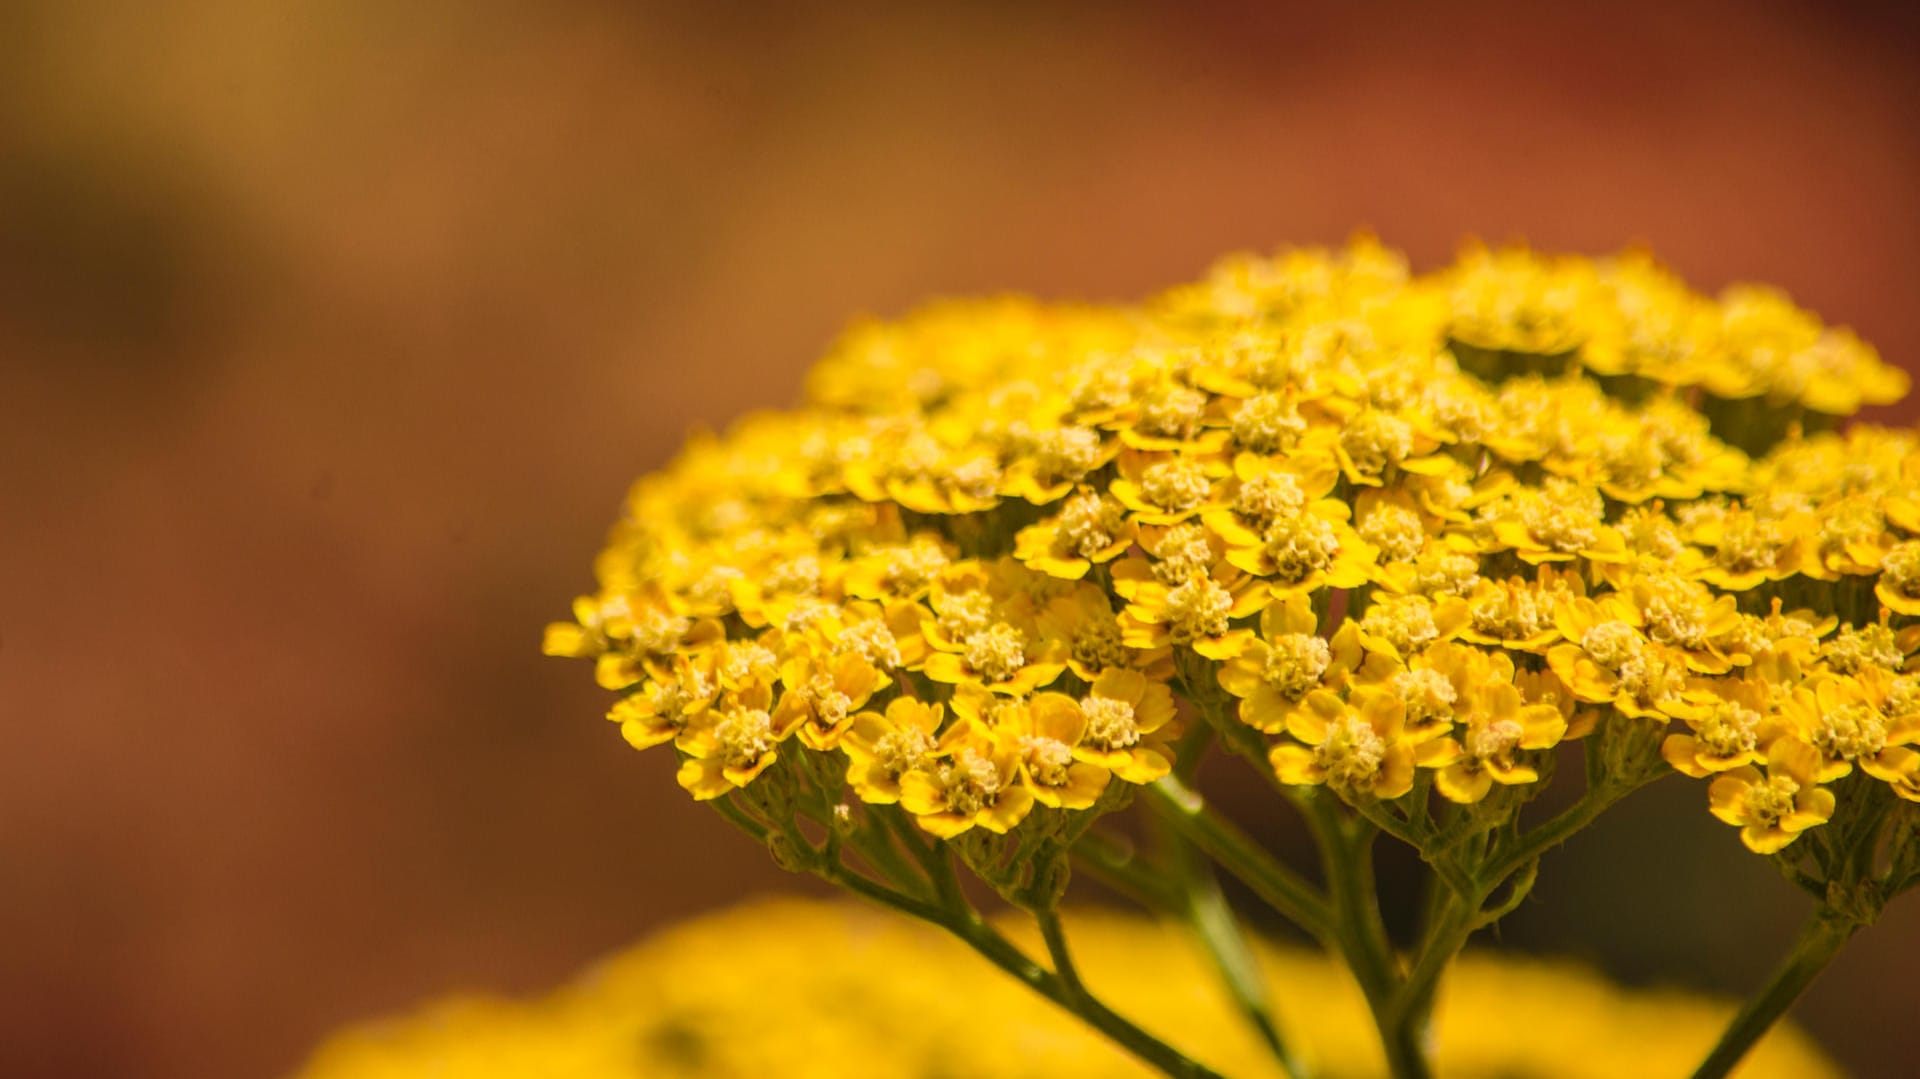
703	778
1726	796
642	734
1766	840
1294	764
1396	773
1679	750
567	640
1462	784
1144	765
1007	810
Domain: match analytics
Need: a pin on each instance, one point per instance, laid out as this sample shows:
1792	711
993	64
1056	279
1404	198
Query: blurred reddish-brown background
331	333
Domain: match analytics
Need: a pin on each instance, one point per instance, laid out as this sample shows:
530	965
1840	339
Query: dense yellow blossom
846	993
1400	527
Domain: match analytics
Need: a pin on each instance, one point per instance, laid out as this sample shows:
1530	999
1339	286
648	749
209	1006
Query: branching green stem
1346	850
951	911
1555	831
998	950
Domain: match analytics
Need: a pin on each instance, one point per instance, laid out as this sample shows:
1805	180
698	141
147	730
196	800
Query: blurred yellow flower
847	993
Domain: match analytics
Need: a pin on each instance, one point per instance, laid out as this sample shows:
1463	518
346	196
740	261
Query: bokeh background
332	332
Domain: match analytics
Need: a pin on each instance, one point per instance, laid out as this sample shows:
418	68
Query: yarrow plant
1408	544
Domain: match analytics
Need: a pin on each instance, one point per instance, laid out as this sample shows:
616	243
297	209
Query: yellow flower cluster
859	993
1410	528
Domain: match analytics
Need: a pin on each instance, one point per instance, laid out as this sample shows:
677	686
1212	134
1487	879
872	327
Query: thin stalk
739	817
1279	887
999	951
1056	939
1361	936
1210	919
1412	1005
1213	923
1820	939
1122	871
1060	987
879	850
933	857
880	893
1384	819
1555	831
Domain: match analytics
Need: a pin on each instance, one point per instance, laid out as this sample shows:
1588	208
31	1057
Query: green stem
1119	868
1056	939
877	846
1201	904
997	950
1062	985
738	817
1383	818
1411	1010
1555	831
933	857
880	893
1212	921
1818	942
1519	886
1346	851
1276	885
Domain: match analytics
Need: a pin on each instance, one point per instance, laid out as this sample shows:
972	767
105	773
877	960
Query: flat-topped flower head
1371	521
1389	534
